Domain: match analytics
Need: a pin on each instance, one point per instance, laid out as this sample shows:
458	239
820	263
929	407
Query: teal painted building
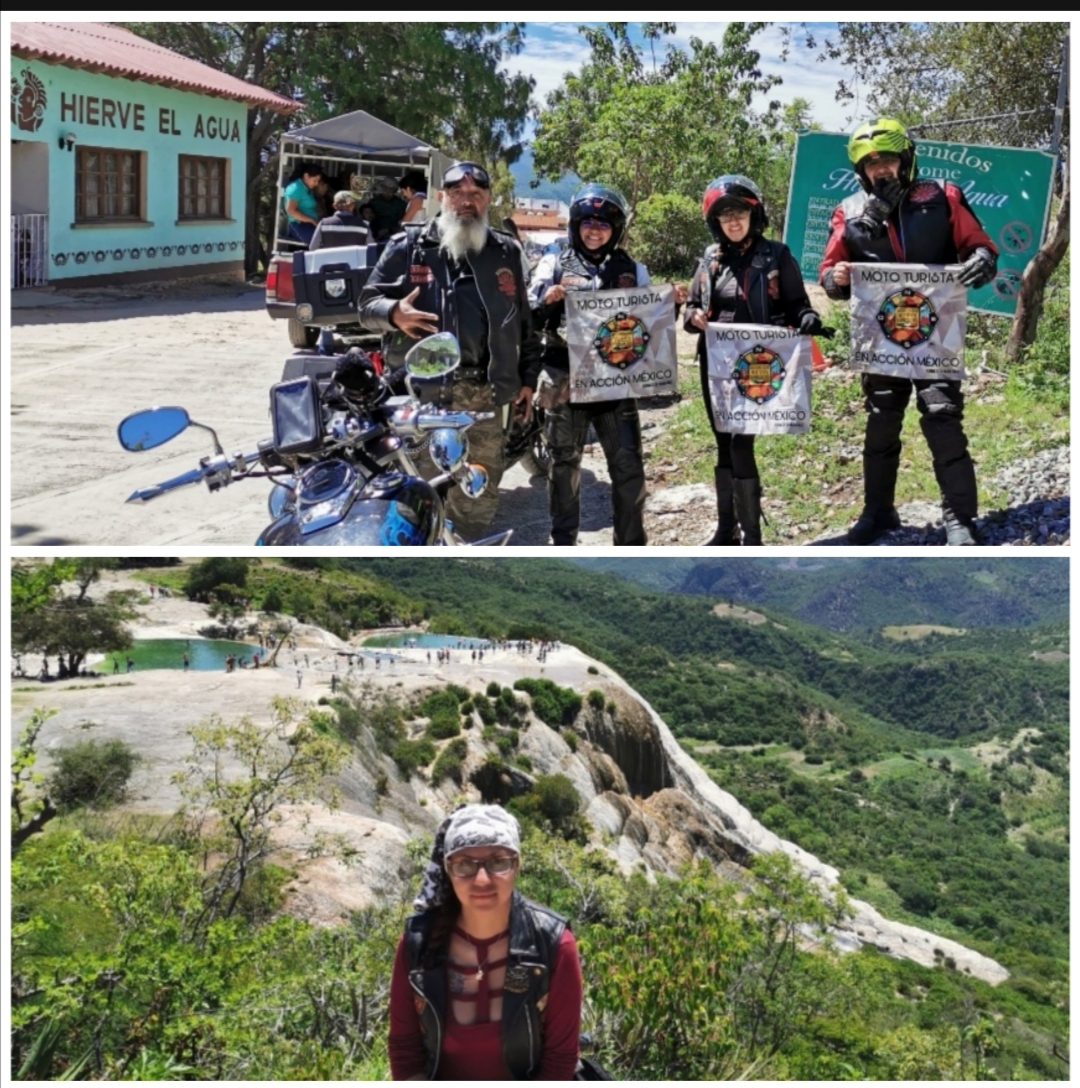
122	178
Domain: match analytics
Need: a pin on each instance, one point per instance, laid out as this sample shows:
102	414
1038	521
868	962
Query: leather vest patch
504	278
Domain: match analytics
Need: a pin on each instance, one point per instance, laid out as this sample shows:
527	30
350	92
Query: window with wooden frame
108	184
204	187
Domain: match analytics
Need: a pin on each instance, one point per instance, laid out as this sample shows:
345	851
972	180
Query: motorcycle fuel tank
407	515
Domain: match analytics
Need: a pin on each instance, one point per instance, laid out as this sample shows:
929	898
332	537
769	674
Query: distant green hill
853	594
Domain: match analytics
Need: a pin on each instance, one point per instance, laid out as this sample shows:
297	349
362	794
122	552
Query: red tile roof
102	47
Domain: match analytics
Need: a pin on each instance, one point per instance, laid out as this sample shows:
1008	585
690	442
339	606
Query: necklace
481	945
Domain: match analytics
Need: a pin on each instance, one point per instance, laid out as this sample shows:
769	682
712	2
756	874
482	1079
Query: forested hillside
853	594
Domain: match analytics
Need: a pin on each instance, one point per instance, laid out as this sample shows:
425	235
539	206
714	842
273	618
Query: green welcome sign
1008	189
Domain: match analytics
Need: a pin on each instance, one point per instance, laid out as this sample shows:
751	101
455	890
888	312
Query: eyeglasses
456	175
467	868
734	215
595	224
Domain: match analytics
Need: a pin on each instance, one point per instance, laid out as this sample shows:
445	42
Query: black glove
880	204
810	323
979	269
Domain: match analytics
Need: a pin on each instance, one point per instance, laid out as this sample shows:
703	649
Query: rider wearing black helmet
743	278
897	218
592	261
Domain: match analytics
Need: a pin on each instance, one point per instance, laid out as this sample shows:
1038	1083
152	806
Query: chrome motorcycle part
449	449
473	481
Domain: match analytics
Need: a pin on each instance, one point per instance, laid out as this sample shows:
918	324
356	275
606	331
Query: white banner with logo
908	320
622	343
759	379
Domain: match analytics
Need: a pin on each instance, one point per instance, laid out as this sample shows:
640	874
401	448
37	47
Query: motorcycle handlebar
217	471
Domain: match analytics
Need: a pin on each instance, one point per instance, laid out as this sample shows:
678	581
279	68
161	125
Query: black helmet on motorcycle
885	136
595	201
733	191
360	377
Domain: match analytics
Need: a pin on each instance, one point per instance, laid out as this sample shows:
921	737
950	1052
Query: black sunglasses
456	175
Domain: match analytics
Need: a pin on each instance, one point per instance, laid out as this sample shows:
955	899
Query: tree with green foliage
69	626
660	131
240	779
31	806
409	74
209	575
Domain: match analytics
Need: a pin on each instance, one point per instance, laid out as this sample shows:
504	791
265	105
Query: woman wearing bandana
486	984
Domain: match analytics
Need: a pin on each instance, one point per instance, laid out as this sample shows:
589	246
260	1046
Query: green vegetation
449	762
91	772
442	708
553	705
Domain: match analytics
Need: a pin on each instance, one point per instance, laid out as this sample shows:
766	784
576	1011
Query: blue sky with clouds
555	47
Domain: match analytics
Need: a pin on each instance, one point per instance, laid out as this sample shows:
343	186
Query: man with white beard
459	275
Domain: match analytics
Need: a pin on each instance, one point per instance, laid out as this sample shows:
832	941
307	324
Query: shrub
668	234
448	765
553	705
596	699
493	690
571	739
411	755
483	707
593	670
91	772
554	801
442	708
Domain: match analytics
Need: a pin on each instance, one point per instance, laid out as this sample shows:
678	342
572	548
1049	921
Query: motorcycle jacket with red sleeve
933	224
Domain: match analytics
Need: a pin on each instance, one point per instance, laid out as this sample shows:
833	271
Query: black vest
535	933
754	287
577	274
920	227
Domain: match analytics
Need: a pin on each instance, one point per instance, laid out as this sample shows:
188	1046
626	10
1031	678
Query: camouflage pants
487	439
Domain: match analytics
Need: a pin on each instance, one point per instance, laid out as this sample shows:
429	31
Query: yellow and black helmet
883	136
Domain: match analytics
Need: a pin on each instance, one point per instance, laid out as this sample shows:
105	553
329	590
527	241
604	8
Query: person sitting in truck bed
343	228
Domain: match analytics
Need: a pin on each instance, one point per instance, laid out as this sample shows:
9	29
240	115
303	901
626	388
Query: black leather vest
919	230
754	294
578	274
535	932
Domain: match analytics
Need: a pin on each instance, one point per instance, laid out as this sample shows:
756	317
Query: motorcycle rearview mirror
434	356
151	428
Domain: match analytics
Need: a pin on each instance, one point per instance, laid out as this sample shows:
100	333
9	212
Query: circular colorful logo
759	374
907	318
622	340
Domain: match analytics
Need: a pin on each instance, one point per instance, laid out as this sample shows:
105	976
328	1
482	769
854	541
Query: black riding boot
727	528
879	515
959	500
748	509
